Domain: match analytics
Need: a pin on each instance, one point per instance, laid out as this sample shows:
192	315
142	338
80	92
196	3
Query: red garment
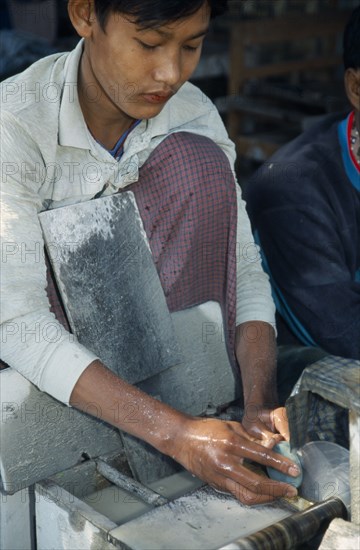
348	134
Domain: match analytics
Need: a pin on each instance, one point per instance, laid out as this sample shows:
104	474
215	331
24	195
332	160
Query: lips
157	97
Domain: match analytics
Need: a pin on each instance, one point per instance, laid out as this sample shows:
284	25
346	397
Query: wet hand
214	450
268	426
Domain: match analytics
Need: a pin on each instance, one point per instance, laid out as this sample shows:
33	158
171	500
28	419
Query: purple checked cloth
187	200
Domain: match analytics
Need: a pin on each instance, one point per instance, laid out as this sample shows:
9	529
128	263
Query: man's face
135	71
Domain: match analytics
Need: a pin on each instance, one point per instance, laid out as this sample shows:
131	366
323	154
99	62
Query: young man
304	204
121	101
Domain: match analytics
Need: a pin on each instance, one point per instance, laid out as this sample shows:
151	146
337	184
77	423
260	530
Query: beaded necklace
355	141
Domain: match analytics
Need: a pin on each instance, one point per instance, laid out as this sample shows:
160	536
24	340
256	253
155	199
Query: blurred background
271	66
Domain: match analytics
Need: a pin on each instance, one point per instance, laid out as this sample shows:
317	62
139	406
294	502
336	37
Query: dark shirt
304	204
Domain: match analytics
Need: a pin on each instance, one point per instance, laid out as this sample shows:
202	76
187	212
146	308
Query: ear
82	16
352	86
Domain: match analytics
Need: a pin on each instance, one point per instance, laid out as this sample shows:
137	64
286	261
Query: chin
146	112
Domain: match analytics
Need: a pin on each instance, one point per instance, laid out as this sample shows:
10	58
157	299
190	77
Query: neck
104	119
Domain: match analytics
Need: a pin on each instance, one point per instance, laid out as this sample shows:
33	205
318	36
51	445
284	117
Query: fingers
257	433
280	422
262	455
258	451
253	494
262	434
251	488
269	425
269	439
215	451
239	429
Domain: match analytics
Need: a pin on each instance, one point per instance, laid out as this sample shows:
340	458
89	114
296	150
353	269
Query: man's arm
32	341
211	449
255	339
256	355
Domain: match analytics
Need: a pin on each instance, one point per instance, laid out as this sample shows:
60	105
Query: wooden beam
301	27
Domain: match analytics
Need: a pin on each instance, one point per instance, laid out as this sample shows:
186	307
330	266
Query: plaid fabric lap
187	200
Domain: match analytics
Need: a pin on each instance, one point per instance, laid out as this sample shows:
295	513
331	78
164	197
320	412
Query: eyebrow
167	34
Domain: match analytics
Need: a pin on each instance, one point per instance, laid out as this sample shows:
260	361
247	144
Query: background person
304	204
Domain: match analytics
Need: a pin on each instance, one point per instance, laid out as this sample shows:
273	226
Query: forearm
210	449
256	355
100	392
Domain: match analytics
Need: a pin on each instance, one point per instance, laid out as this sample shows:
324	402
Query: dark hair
351	42
148	13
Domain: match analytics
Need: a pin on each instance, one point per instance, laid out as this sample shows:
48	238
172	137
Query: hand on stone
214	450
267	426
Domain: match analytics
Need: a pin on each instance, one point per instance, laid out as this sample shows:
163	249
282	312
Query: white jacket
49	159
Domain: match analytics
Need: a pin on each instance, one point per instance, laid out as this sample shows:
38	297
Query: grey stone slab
64	522
203	520
40	436
109	285
116	307
15	510
204	379
341	534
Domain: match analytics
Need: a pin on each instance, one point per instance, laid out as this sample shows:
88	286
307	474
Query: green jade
283	449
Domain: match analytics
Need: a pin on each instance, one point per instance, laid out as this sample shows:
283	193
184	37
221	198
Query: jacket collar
73	131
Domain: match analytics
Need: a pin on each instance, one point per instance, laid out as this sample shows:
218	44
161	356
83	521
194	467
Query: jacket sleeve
32	341
254	299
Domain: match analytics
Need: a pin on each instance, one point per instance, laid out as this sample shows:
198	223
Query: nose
168	70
